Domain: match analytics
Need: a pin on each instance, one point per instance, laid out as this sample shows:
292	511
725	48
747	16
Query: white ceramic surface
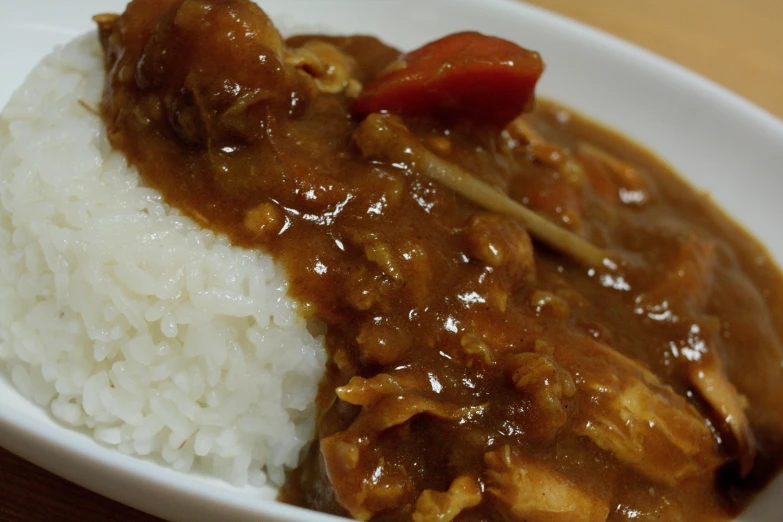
717	140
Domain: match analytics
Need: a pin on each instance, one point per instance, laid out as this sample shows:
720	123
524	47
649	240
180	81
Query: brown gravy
472	374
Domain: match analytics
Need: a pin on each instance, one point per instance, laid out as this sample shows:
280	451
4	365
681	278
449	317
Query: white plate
714	138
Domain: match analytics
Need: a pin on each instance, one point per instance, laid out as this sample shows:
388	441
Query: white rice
123	317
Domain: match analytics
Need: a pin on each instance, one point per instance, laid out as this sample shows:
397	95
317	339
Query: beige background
738	43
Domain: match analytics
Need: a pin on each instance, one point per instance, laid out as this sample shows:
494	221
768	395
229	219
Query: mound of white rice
123	317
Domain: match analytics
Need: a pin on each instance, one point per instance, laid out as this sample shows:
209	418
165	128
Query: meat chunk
406	265
549	387
366	392
437	506
215	69
624	409
711	383
394	401
365	482
502	243
476	350
523	489
549	303
330	68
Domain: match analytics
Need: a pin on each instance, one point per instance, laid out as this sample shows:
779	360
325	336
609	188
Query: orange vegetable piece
470	75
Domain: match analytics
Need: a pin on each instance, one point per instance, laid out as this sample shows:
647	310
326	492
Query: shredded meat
710	381
526	490
504	244
629	413
364	482
330	68
435	506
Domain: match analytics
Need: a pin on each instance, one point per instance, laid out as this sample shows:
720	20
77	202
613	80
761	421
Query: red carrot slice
470	75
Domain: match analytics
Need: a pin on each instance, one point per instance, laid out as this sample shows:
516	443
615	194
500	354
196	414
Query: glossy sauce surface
473	374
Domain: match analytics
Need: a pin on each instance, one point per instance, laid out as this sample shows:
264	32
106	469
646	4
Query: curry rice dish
478	305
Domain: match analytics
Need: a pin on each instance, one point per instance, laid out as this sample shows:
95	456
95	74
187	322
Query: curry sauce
473	374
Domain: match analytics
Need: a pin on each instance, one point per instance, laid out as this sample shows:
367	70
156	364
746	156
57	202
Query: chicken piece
436	506
381	254
364	288
549	303
213	73
522	489
330	68
502	243
365	392
364	482
476	350
624	409
406	263
711	383
386	410
549	387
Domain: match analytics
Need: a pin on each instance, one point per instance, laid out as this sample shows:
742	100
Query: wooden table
738	43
